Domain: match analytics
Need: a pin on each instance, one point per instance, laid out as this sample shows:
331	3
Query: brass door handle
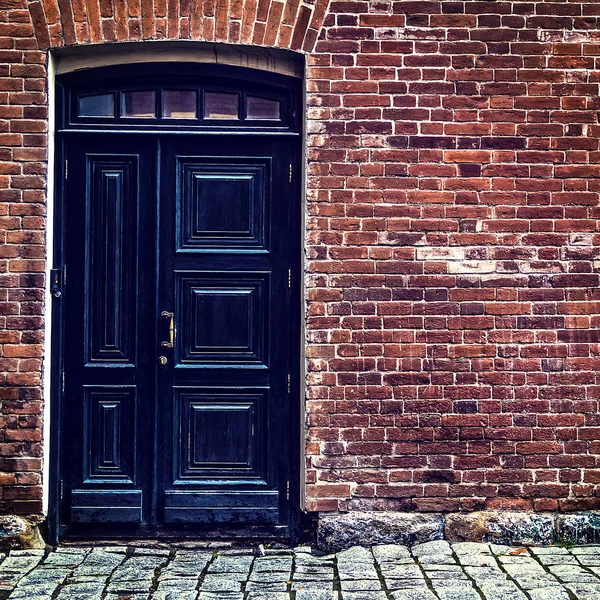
171	316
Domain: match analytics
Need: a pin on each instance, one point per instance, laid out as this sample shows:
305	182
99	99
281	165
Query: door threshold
189	535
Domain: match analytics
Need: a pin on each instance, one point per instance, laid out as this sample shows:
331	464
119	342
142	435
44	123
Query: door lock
162	360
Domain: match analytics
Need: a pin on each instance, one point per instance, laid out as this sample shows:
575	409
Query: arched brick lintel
289	24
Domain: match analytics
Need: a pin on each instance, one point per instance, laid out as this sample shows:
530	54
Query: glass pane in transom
96	105
179	104
139	104
263	108
219	105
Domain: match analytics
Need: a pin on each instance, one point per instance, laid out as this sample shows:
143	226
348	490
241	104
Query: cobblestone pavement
435	570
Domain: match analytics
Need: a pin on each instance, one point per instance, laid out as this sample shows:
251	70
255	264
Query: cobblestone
430	571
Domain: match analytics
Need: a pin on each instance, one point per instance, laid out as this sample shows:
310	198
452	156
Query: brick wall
453	325
23	126
453	317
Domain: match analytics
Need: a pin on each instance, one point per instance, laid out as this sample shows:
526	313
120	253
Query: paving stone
520	559
220	584
476	560
100	562
164	552
457	594
268	596
398	584
437	559
557	559
356	554
432	548
571	573
273	564
548	594
446	575
269	577
502	550
20	562
82	591
422	593
548	550
33	552
221	596
471	548
442	568
437	584
64	559
531	570
357	572
585	592
299	585
313	571
317	561
503	591
231	564
175	595
112	549
181	583
316	595
360	585
391	553
583	550
364	595
588	560
544	581
273	587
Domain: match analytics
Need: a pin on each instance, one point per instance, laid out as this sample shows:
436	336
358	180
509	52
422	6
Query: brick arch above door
293	24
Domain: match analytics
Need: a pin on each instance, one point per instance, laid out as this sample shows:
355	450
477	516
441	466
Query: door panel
110	257
178	345
223	320
220	435
109	435
222	204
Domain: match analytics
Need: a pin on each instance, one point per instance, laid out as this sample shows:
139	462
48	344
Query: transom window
184	104
165	97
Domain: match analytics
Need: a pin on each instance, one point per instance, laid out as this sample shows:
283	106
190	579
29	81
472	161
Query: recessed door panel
110	258
223	318
222	203
221	434
110	433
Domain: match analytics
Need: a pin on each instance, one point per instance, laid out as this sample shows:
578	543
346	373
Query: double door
178	332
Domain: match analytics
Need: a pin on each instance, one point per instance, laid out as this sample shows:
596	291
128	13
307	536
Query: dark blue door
179	333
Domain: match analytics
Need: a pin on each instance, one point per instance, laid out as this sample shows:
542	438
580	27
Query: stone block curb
336	532
17	533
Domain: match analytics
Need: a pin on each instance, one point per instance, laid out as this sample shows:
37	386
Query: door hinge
287	489
62	489
62	383
291	171
290	279
66	169
289	383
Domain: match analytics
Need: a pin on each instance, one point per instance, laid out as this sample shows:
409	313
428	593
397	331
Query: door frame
59	283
